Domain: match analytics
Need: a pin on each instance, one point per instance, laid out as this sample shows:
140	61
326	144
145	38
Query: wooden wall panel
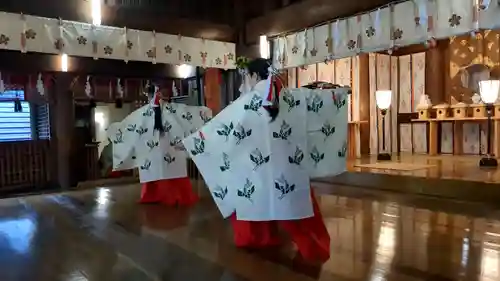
307	74
395	103
373	105
418	78
292	78
355	88
447	138
326	72
343	73
418	90
405	138
24	164
405	86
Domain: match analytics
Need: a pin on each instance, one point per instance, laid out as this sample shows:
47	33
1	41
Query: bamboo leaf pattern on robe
226	163
220	192
146	165
289	99
297	157
314	104
167	127
187	116
283	186
247	190
241	133
169	158
152	144
284	133
339	100
199	145
177	144
343	151
204	117
141	130
316	156
225	130
131	127
118	137
170	108
258	159
327	130
148	112
254	104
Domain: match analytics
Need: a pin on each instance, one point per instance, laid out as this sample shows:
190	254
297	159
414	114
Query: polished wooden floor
102	234
439	167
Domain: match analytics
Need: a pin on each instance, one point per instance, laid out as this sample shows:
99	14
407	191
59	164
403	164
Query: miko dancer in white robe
151	139
262	180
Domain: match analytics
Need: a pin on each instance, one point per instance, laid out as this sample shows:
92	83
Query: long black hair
158	124
260	67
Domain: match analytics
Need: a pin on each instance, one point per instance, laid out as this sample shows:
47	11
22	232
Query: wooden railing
24	164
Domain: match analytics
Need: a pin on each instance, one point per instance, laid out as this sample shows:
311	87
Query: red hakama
171	192
115	174
309	234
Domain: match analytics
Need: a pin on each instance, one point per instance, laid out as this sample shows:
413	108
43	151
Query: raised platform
447	177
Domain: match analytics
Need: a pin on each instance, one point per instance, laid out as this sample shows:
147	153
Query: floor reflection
17	234
442	166
104	235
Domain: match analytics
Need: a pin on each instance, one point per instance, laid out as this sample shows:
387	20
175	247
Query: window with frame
14	126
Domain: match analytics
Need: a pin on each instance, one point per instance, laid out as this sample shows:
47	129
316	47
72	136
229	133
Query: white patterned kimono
137	145
262	170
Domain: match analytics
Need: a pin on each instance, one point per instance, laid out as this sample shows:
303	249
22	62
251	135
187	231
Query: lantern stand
488	90
383	100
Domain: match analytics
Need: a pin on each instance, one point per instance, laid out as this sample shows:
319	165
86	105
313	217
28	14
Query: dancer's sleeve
124	136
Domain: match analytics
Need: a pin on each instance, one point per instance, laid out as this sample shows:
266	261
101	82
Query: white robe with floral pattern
137	145
262	170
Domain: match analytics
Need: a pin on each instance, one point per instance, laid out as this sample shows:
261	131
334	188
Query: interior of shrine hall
419	198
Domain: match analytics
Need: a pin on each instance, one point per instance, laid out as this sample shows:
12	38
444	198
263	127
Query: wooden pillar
364	103
62	123
436	76
433	138
436	73
212	90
